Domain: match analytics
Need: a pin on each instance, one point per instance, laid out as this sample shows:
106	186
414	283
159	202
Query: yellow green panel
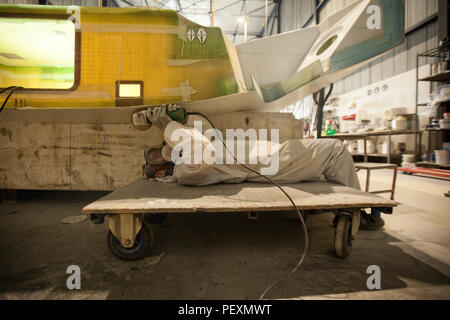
121	44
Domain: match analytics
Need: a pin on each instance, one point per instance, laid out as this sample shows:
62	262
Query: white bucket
400	124
385	148
442	157
371	147
409	158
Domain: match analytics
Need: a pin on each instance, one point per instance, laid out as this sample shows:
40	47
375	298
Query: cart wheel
155	218
343	236
143	242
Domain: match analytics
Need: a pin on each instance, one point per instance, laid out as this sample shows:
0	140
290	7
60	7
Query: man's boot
371	222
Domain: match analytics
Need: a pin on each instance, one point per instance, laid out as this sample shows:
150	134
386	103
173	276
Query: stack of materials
409	161
442	157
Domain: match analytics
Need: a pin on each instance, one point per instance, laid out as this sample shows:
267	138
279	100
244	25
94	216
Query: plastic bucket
442	157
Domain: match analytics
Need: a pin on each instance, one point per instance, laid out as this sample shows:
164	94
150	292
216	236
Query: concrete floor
227	256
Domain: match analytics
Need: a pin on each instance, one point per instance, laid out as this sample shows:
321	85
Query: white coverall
299	161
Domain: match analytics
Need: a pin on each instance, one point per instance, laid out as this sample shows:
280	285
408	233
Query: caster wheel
142	244
343	236
155	218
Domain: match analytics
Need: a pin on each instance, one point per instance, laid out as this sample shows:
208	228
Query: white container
361	114
434	69
444	124
442	157
392	113
352	146
409	158
400	124
409	161
361	146
385	148
371	147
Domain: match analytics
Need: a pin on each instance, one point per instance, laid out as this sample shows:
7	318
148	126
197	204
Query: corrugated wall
84	3
19	1
295	13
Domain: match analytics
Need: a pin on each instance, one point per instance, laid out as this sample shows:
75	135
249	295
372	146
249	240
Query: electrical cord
6	89
302	258
13	89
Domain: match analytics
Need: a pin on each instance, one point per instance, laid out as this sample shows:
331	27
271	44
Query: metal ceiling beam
110	3
163	4
280	2
179	6
316	13
194	4
128	3
273	20
271	16
228	5
260	8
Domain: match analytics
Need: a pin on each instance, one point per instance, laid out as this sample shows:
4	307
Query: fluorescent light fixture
130	90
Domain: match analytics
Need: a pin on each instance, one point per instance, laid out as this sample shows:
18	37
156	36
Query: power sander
141	117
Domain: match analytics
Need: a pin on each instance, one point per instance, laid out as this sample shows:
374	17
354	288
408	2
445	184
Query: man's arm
179	137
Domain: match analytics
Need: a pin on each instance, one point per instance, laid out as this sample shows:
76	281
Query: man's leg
341	169
371	222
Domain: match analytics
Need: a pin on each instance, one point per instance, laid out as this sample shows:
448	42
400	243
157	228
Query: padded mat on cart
143	196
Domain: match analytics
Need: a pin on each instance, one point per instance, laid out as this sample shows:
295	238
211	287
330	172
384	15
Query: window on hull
37	53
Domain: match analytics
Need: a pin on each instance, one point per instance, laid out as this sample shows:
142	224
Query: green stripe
394	34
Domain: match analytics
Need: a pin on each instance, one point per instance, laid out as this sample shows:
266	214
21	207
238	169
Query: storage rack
367	135
442	77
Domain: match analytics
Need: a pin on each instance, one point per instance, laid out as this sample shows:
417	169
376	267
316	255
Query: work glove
158	117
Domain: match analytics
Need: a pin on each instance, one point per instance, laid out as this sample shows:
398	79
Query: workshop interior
224	150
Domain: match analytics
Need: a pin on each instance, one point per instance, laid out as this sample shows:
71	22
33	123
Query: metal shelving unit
365	136
443	77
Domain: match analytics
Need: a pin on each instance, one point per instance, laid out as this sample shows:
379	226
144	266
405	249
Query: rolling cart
132	209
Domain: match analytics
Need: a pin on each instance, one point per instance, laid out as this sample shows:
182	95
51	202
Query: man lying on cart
191	157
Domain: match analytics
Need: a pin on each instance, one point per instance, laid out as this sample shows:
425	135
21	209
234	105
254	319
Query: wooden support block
125	227
253	216
9	196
